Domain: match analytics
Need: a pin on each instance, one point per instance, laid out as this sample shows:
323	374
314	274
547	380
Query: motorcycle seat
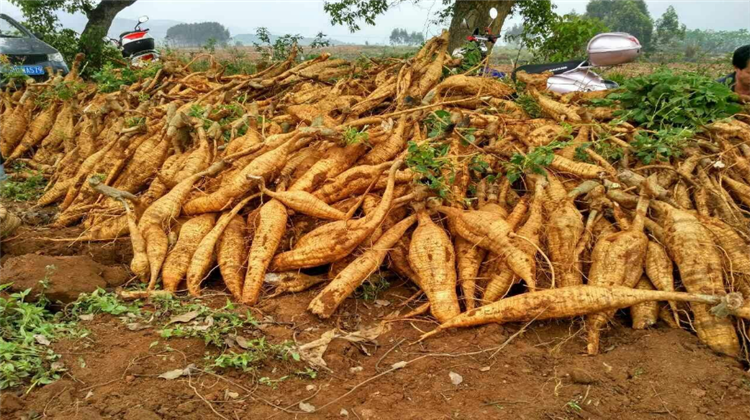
556	68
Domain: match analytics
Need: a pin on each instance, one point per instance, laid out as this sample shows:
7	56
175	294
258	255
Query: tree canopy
631	16
568	37
669	29
195	34
403	37
537	14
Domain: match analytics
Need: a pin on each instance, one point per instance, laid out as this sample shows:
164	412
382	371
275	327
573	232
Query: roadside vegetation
29	327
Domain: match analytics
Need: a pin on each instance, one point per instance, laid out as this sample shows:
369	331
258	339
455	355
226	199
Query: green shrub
680	99
111	78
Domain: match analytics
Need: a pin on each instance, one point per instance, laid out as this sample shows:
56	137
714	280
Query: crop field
373	233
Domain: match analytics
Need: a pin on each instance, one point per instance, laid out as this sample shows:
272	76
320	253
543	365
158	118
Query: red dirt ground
509	372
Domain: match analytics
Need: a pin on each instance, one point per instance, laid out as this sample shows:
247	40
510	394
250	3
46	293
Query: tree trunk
99	20
477	15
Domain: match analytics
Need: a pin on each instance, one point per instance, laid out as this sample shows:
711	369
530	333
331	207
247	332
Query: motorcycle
137	45
604	50
479	42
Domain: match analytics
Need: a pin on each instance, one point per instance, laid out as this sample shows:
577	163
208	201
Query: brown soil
508	372
64	277
31	240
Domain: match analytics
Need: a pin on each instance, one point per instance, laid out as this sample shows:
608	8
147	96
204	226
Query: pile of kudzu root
405	165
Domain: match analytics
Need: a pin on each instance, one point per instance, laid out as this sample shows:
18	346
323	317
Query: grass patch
534	162
224	115
110	78
372	287
530	105
27	329
27	190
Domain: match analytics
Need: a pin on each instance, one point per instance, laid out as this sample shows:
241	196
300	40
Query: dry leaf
137	326
174	374
307	408
313	351
186	317
242	342
42	340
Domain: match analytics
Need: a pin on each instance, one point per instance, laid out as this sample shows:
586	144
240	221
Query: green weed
674	99
272	383
535	161
10	74
26	328
307	373
660	145
430	161
101	302
371	288
438	122
530	105
134	121
254	353
27	190
619	78
574	406
64	91
352	136
603	148
110	78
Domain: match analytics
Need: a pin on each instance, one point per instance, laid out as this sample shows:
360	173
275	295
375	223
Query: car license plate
32	70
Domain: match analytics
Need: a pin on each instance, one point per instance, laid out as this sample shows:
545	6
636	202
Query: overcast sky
307	17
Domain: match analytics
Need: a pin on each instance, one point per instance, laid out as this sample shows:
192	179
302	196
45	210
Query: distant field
245	58
348	52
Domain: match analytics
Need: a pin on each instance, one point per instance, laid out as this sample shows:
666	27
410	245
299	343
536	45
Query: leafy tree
396	36
537	14
403	37
280	48
320	41
512	34
569	37
631	16
40	16
668	28
194	34
714	42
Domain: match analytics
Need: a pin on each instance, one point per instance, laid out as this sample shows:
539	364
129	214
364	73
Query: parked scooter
607	49
482	43
137	45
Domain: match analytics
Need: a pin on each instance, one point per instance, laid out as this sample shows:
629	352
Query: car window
9	30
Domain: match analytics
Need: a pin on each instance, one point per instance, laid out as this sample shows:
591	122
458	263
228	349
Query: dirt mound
30	240
64	277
